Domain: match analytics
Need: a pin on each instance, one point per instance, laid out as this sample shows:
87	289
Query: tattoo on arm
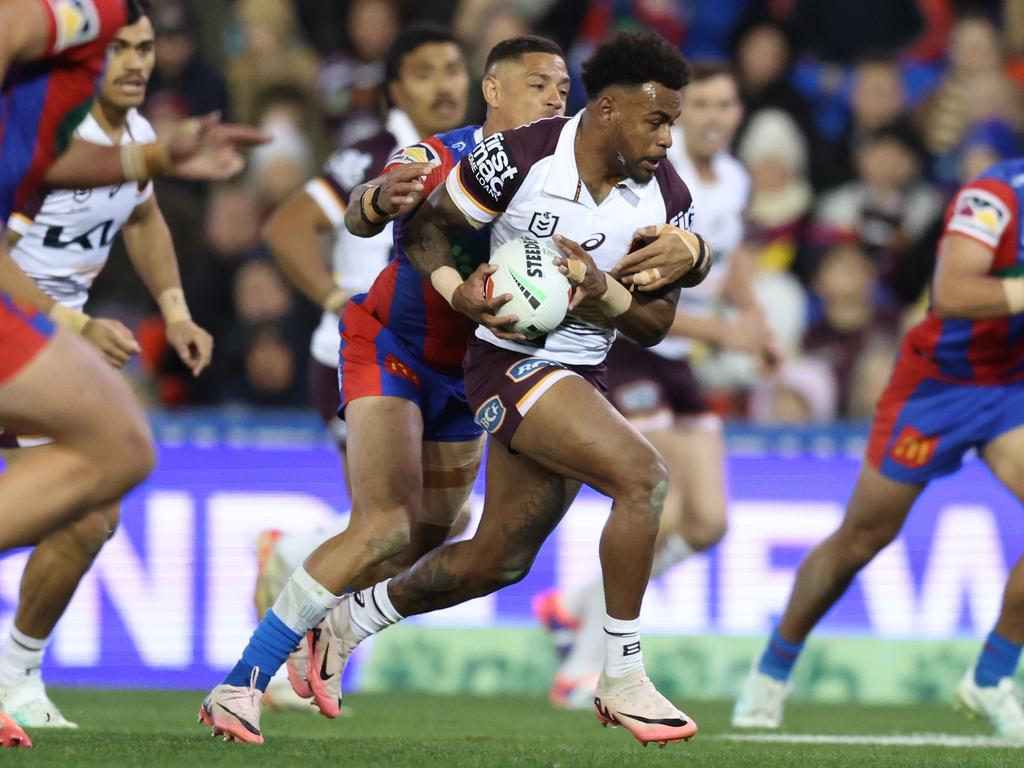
428	236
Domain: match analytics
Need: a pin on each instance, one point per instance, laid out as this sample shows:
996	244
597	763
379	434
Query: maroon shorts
647	387
323	389
502	386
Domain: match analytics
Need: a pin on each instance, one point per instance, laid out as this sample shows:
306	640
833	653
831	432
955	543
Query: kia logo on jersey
543	224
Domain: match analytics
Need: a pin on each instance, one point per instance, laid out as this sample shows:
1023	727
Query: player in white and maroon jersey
63	250
656	389
596	179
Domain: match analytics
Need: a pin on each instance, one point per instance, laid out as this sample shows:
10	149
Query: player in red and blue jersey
958	385
413	446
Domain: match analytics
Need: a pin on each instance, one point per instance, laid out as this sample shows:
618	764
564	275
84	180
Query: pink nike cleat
550	610
331	642
11	734
634	703
234	712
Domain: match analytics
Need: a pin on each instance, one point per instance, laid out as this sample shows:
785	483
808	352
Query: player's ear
606	108
491	86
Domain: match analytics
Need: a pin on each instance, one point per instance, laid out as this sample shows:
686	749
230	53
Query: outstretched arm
386	198
151	250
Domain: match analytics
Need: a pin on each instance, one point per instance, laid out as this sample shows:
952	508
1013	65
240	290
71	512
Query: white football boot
634	703
1000	705
233	711
760	702
29	705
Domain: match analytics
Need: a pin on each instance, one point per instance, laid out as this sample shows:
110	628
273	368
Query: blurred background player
600	179
63	250
958	384
404	403
656	389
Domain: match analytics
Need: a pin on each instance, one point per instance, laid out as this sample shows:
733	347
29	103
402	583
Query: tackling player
63	251
958	384
656	389
598	179
403	400
427	87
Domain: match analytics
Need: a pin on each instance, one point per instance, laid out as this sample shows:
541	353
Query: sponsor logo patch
524	369
348	167
913	449
397	367
417	153
980	214
77	23
491	165
543	224
684	219
491	415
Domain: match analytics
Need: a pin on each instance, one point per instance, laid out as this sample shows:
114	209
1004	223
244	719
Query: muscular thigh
574	432
385	464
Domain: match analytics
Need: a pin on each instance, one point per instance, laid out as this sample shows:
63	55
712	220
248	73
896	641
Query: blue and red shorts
376	362
925	425
24	331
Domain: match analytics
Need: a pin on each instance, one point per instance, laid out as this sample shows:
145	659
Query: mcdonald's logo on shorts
913	449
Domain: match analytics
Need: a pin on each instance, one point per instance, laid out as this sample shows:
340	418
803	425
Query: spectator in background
183	83
802	392
888	209
974	88
501	21
764	53
985	145
350	83
877	98
272	53
280	167
849	323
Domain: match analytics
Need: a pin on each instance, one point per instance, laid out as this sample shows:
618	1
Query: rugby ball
540	293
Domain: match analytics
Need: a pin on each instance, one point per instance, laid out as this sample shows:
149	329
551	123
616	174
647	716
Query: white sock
672	551
20	658
294	548
372	610
303	602
622	653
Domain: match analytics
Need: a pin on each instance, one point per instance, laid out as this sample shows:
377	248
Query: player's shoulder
360	161
532	142
675	194
139	128
985	207
81	29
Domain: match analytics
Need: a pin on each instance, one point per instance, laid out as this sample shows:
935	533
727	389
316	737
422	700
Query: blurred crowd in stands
862	117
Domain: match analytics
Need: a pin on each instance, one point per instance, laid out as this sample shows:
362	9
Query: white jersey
719	220
527	181
66	245
355	261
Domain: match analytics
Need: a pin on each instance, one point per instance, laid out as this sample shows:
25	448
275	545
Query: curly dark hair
635	58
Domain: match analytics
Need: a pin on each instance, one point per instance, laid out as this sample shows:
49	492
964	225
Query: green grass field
159	729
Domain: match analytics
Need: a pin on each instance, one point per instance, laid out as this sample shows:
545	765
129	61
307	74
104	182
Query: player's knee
510	569
91	532
387	532
702	535
135	457
861	544
643	483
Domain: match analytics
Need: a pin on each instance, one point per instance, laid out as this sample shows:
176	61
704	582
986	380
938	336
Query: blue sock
998	659
779	657
268	648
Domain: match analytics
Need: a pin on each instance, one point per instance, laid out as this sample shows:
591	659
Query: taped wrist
173	306
69	318
616	299
1013	289
445	280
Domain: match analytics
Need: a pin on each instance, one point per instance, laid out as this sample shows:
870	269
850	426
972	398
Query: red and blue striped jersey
399	298
980	351
42	102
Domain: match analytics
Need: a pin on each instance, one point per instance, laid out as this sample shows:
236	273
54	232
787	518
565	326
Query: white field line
893	740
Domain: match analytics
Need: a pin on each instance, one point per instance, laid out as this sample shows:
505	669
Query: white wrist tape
616	299
1013	288
445	280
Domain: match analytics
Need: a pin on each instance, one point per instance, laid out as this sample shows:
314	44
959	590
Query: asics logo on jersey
543	224
52	238
491	415
491	165
593	242
913	449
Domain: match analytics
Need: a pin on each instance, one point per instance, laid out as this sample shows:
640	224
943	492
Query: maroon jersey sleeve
345	170
484	182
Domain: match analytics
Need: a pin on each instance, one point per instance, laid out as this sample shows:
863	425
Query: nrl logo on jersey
491	415
543	224
491	165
